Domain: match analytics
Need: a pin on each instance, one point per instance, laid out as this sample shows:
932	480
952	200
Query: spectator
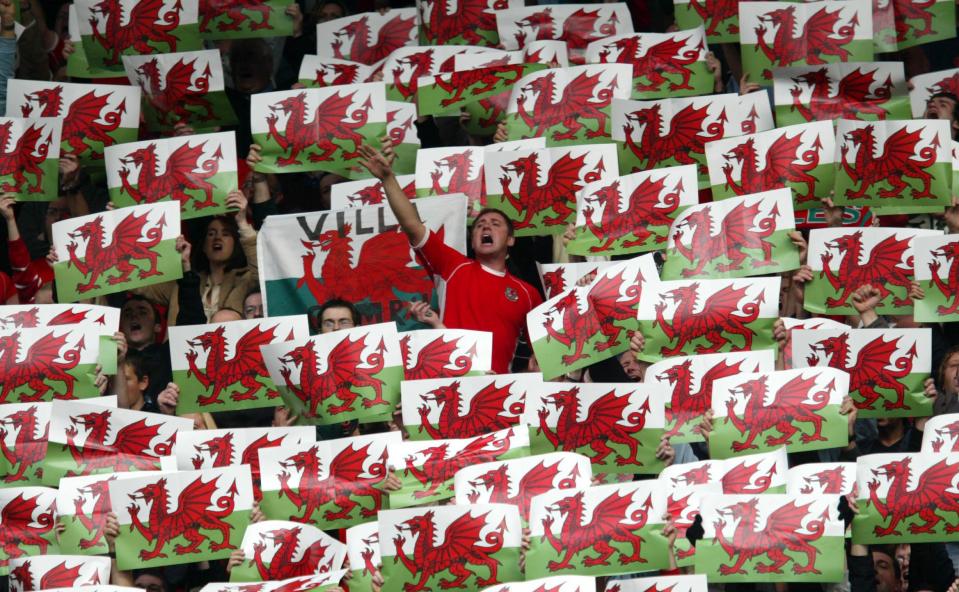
253	304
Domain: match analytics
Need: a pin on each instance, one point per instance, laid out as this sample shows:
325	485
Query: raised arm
401	205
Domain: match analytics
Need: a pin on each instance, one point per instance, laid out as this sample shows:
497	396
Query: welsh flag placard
587	324
771	538
278	549
406	67
24	428
82	507
857	90
77	64
135	27
844	259
800	157
617	426
363	555
53	572
685	317
319	71
186	87
318	129
906	498
366	192
926	85
463	23
896	165
828	478
764	472
632	213
798	409
219	367
427	468
367	37
197	172
445	408
168	518
577	25
27	515
556	278
438	94
690	380
339	376
401	129
603	530
664	64
244	20
450	170
737	237
445	353
941	434
937	271
207	449
901	25
720	18
567	105
94	116
537	189
330	484
773	35
674	131
43	364
29	169
116	250
886	367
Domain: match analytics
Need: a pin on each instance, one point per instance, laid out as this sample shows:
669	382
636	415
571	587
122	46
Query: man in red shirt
475	293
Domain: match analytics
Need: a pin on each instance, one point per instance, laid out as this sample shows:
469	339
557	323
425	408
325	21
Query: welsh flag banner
733	238
170	518
937	271
886	367
278	550
339	376
401	128
27	515
617	426
719	17
243	20
197	172
406	67
438	94
467	22
791	324
864	91
671	132
771	538
29	169
318	129
567	105
324	582
941	434
367	37
690	379
363	555
320	71
90	439
632	213
208	449
93	116
445	353
77	64
685	317
764	472
451	170
330	484
82	507
45	572
604	530
24	428
586	324
552	584
831	478
575	24
186	87
843	259
664	64
472	546
896	165
556	278
690	583
219	367
306	259
901	25
44	364
682	505
366	192
111	30
800	157
798	409
444	408
906	498
518	481
427	468
930	83
116	250
537	189
776	36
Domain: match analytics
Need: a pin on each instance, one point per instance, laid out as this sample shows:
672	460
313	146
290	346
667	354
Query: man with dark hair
336	314
479	293
253	304
140	323
942	105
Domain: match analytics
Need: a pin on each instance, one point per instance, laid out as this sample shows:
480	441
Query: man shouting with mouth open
479	293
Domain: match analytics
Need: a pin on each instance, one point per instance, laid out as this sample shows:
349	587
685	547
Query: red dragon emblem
125	246
130	446
665	57
950	287
746	478
494	75
463	545
579	29
178	176
698	475
885	266
893	165
853	99
341	74
420	64
29	444
435	358
348	478
173	96
287	540
24	526
40	365
646	206
828	481
783	531
440	464
143	26
686	406
719	317
818	37
949	84
486	411
714	12
913	10
30	318
245	368
951	431
372	195
683	139
331	121
82	121
558	193
237	11
58	576
779	168
96	520
21	159
444	22
580	100
459	165
539	479
931	494
394	33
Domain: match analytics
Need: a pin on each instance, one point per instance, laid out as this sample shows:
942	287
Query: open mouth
135	326
217	246
486	239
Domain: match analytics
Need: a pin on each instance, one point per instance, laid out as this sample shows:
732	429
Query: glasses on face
338	324
253	312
